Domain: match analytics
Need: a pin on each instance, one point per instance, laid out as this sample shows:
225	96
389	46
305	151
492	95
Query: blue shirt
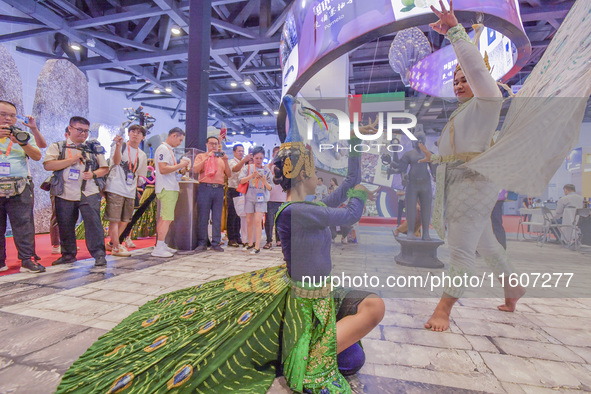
16	158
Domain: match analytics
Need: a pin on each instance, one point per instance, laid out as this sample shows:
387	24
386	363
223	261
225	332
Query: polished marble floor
48	320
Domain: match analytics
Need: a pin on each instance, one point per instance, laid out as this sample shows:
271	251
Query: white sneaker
161	252
170	250
4	268
120	251
129	243
56	249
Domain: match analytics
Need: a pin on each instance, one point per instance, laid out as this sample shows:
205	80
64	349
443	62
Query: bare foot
512	295
396	232
439	321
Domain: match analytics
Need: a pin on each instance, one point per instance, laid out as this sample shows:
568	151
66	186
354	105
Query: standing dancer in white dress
469	196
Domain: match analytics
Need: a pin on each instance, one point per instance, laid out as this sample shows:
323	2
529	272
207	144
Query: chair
572	234
548	227
523	223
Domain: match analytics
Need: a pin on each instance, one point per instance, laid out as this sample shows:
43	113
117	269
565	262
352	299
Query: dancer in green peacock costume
239	333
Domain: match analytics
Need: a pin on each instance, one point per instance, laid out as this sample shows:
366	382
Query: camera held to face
91	146
21	136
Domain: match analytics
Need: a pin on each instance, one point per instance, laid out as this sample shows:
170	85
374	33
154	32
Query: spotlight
233	84
276	112
265	113
412	105
247	82
168	89
156	90
233	133
75	46
175	30
427	104
242	132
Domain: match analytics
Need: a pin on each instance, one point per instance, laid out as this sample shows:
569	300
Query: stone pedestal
418	253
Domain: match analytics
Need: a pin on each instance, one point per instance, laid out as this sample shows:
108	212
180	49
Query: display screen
315	28
434	74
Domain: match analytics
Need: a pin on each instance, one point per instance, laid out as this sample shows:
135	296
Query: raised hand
447	19
367	129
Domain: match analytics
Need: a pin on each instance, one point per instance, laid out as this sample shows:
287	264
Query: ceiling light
233	133
233	84
242	132
276	112
168	89
90	42
247	82
75	46
265	113
156	90
133	79
175	30
412	105
427	104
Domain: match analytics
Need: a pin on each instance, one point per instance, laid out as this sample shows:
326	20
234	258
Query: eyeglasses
81	131
6	115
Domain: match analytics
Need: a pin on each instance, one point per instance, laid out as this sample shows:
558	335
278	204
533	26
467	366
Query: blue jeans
210	199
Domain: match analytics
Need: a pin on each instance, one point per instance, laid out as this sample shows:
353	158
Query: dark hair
320	179
7	102
67	130
257	150
212	137
570	186
335	181
137	127
275	149
236	147
79	119
176	130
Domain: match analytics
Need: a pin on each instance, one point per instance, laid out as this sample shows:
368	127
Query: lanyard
7	149
171	153
256	184
136	156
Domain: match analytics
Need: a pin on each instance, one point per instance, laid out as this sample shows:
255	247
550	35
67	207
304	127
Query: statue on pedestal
419	186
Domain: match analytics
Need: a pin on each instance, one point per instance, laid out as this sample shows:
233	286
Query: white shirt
234	180
164	154
571	200
321	192
122	179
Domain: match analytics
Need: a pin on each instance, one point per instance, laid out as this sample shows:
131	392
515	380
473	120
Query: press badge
130	178
74	175
260	197
4	168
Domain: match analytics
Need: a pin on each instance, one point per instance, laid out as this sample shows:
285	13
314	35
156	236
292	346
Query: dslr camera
91	146
21	136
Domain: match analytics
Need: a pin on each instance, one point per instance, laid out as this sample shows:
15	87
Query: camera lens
21	136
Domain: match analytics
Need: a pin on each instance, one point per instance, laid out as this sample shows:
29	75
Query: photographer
233	220
79	169
211	167
259	179
167	187
128	163
16	195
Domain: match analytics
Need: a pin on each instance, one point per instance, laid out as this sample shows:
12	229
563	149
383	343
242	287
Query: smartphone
218	154
24	119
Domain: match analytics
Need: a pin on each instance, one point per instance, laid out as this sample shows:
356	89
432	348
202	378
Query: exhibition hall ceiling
139	48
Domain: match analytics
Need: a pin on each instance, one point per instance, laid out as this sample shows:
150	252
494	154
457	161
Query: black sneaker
200	249
3	266
64	260
32	266
217	248
100	261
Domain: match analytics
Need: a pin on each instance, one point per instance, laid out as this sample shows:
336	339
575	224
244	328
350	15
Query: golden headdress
293	147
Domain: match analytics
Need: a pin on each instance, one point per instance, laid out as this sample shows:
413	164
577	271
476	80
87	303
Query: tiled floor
48	320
